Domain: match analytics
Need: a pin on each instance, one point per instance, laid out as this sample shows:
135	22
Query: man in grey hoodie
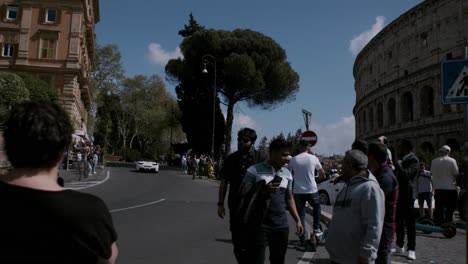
358	214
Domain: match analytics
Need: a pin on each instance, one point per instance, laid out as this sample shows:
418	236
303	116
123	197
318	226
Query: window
51	15
424	39
47	50
12	12
8	49
8	45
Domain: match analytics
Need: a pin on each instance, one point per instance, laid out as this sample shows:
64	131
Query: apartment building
53	40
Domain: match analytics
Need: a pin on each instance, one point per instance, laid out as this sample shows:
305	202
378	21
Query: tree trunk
227	133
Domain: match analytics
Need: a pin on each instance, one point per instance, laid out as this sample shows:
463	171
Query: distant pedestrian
407	170
444	171
383	140
358	214
303	167
424	187
232	173
271	181
378	164
46	223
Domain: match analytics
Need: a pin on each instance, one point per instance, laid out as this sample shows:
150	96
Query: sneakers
301	246
411	255
398	249
318	232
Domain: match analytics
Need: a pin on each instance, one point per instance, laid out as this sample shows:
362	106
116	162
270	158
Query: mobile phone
277	179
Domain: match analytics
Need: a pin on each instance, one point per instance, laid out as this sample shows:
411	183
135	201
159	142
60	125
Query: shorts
425	196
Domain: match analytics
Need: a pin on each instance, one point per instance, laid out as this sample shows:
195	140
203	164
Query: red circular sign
310	137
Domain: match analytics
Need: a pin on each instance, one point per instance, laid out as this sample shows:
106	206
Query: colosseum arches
407	107
427	101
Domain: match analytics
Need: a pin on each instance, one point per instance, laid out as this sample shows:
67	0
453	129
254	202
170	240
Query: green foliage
425	156
262	146
12	89
38	89
250	67
133	155
191	28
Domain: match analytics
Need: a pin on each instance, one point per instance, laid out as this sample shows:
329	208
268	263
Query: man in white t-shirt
305	189
444	171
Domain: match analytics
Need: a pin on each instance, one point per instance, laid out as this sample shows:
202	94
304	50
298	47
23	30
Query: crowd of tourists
376	203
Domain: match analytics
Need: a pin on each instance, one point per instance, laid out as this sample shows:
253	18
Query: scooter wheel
449	230
428	222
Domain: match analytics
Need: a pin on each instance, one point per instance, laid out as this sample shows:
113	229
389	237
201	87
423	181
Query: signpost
454	84
310	137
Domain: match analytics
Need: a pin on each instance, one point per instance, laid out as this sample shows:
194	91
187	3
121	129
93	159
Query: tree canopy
250	67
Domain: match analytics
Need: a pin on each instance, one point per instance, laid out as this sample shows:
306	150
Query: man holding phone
272	184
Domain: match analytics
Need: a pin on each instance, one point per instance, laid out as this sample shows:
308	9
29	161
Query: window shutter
42	13
3	10
59	16
15	50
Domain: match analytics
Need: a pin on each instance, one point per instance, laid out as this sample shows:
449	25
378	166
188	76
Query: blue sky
321	39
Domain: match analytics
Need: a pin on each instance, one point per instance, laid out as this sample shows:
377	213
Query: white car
329	189
147	166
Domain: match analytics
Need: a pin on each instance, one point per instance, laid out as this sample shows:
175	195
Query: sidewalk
71	175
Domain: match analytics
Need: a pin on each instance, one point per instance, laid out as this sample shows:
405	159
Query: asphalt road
170	218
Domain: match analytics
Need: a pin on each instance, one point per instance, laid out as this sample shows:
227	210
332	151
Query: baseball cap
445	148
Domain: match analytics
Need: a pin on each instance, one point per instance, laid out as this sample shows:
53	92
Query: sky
321	40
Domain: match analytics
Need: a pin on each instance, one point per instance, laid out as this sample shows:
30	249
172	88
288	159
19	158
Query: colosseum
398	75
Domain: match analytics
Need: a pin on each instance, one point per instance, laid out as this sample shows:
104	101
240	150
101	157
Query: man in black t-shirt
41	221
232	173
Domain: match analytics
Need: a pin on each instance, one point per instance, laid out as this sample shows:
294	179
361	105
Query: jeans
277	241
405	220
445	204
313	199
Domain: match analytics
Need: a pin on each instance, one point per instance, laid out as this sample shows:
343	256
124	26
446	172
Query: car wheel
323	198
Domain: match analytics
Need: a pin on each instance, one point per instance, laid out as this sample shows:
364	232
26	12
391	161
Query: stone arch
380	115
427	101
391	110
371	118
406	107
427	147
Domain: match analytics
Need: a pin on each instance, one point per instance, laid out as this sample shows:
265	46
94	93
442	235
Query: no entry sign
310	137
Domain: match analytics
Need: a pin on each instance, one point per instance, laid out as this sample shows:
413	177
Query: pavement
72	178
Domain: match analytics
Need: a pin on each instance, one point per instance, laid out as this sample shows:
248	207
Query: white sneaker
318	232
398	249
411	254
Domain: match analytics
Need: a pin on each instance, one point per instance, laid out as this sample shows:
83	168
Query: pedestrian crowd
376	202
375	205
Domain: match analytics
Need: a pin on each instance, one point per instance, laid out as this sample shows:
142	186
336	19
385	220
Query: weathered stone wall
397	77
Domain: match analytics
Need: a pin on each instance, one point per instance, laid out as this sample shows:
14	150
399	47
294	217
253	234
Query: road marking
137	206
307	256
86	184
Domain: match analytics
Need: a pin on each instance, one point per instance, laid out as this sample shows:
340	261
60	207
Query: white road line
307	256
137	206
86	185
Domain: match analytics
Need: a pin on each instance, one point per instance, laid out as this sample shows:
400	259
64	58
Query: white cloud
157	55
240	121
334	138
358	42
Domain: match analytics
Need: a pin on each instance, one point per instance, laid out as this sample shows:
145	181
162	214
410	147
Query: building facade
398	76
54	41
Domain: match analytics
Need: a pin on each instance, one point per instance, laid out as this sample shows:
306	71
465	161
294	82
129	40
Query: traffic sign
310	137
454	82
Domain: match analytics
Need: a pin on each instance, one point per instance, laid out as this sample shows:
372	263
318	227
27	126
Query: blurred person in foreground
358	214
43	222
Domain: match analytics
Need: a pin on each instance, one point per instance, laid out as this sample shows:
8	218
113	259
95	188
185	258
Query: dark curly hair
37	133
279	144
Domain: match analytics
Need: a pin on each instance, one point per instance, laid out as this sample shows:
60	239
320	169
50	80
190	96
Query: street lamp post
205	61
